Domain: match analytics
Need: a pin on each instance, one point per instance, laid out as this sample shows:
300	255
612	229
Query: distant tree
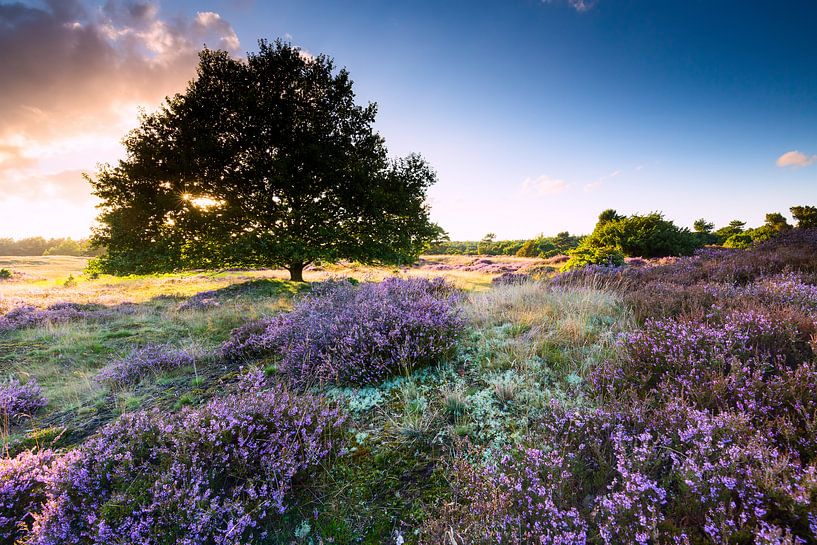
266	161
565	242
608	216
702	230
703	226
528	249
485	246
806	216
733	228
776	222
65	246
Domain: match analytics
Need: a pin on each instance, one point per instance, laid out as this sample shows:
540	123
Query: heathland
461	400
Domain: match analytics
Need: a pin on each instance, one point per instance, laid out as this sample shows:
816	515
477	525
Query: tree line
640	235
37	246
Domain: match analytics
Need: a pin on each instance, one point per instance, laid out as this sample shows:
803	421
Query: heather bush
28	316
20	401
349	334
23	481
150	359
219	474
511	278
677	475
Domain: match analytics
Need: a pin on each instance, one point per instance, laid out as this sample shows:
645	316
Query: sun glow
202	201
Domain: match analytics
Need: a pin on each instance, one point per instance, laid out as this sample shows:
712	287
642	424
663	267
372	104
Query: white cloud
579	5
593	186
543	185
795	159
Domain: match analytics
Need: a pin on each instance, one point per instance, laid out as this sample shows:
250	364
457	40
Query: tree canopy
266	161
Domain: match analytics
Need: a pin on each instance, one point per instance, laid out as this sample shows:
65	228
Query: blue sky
538	115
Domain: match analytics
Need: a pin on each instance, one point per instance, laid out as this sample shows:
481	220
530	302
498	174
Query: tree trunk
296	271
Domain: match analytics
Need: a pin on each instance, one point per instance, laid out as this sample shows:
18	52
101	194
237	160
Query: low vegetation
658	401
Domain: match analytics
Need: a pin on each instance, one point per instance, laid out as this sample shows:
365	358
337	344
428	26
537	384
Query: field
668	402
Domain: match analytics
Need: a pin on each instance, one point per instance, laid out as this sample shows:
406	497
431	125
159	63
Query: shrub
28	316
5	274
349	334
218	474
677	475
150	359
20	401
511	278
635	236
23	481
586	254
739	240
689	351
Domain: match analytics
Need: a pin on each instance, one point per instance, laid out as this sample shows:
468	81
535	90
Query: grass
526	344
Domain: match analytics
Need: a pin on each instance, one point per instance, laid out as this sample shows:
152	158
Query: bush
511	278
28	316
739	241
20	401
218	474
633	236
150	359
586	254
23	481
677	475
348	334
5	274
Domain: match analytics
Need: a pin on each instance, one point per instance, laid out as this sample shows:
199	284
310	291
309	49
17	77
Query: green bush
739	240
647	236
5	274
588	255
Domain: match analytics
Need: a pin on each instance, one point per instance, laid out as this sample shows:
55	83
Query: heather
20	401
217	474
356	334
662	401
29	316
23	480
677	475
141	362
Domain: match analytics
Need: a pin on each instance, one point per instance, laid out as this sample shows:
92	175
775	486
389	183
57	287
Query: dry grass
569	327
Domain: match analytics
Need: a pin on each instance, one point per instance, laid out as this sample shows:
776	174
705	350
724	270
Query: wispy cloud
593	186
579	5
795	158
543	185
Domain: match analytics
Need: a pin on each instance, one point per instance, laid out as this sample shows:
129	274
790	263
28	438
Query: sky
535	114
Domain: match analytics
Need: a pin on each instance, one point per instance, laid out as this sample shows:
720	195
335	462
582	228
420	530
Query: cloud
543	185
579	5
795	159
73	79
593	186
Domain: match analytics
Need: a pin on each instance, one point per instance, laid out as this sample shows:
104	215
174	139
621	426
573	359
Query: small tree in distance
806	216
267	162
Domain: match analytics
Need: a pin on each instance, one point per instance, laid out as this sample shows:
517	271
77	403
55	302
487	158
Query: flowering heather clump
28	316
677	475
350	334
219	474
690	351
150	359
20	401
22	490
511	278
